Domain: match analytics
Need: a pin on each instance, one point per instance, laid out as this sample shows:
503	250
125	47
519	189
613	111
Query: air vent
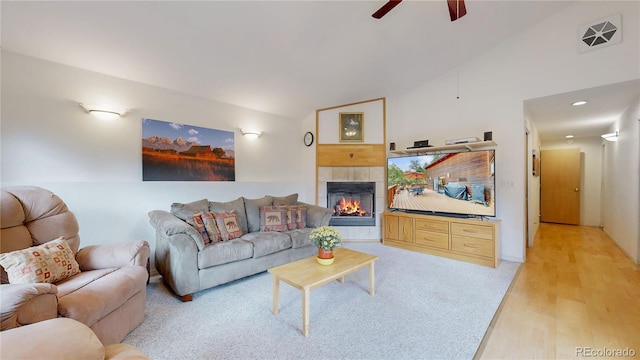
600	33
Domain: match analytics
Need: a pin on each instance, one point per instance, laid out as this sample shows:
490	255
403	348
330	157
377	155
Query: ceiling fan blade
456	9
386	8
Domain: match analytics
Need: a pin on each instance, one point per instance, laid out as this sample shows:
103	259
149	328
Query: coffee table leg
371	279
276	294
305	312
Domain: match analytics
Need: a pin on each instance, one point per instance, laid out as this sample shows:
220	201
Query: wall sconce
104	112
611	136
251	134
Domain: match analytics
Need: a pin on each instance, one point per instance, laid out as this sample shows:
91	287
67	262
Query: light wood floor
576	289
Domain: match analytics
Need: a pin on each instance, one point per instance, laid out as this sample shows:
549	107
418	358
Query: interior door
560	186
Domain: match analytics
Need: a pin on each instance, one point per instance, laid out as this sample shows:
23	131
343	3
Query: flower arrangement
326	237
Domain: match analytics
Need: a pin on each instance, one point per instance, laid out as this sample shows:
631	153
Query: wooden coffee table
307	274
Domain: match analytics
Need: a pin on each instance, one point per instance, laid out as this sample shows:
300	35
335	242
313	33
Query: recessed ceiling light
568	136
578	103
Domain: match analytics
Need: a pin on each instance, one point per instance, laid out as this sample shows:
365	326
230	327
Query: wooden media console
471	240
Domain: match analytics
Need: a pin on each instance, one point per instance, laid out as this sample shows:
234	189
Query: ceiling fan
456	9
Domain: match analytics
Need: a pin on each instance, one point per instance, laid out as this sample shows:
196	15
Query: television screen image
461	183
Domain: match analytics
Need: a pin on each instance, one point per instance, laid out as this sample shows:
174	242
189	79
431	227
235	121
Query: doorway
560	186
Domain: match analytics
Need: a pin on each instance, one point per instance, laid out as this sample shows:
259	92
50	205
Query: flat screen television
460	183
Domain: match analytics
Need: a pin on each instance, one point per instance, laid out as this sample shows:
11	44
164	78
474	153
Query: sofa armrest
168	224
316	215
114	255
23	304
60	338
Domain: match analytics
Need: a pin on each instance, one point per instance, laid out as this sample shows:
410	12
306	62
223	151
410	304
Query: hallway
577	294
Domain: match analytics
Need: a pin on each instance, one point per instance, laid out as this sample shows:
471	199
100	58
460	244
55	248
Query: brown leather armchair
108	294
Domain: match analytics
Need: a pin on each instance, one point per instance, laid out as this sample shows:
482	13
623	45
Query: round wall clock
308	138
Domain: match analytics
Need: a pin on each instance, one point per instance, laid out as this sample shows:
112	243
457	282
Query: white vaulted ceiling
282	57
288	57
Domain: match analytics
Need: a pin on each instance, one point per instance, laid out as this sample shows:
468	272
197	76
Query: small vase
325	257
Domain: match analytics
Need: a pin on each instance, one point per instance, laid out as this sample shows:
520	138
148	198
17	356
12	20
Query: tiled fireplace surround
352	174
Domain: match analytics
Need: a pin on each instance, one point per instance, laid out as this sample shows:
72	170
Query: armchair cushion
89	303
47	263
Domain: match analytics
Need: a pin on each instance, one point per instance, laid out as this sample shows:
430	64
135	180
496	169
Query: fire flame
348	208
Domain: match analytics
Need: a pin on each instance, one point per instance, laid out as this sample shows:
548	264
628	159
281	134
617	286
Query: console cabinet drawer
478	231
433	239
432	225
472	245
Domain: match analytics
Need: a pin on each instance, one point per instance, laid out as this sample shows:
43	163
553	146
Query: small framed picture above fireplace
351	126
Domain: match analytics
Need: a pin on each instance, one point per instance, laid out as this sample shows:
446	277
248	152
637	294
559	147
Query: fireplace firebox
353	203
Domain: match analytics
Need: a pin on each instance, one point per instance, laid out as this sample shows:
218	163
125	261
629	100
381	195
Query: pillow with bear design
228	225
273	218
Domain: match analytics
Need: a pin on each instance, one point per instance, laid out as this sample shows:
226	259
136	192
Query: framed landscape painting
351	126
179	152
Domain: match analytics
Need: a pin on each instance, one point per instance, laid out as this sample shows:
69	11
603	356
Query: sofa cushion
273	218
285	200
237	205
185	211
224	252
228	225
252	208
197	222
300	237
47	263
212	228
265	243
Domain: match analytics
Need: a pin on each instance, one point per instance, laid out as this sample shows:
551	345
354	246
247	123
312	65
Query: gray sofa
189	265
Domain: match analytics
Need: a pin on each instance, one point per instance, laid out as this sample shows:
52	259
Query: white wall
590	175
541	61
95	166
621	203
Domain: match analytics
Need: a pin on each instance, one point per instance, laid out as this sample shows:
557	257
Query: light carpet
425	307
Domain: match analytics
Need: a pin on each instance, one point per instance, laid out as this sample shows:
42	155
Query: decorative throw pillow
196	222
301	217
273	218
228	225
47	263
290	211
211	227
238	206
